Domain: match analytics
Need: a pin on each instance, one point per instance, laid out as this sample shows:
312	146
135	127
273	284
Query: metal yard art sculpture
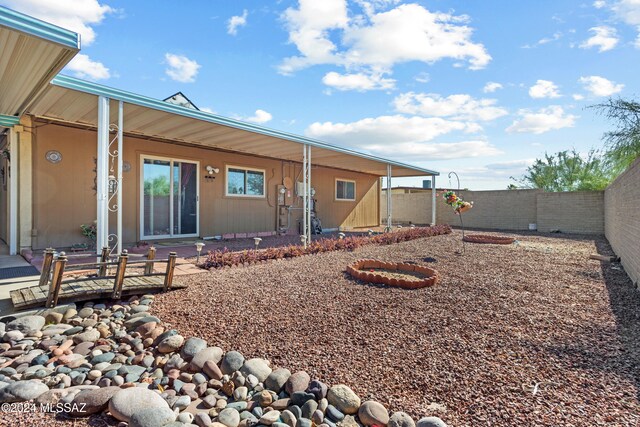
458	205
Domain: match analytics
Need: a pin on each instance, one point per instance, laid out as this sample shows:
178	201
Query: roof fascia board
156	104
8	121
35	27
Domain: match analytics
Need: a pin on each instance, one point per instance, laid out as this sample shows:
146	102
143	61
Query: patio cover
32	52
74	101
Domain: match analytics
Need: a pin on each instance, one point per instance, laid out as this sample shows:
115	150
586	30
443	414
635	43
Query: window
345	190
245	182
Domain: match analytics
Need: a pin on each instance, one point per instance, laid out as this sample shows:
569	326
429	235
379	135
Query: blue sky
481	88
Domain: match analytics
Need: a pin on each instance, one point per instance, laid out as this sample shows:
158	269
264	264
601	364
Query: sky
481	88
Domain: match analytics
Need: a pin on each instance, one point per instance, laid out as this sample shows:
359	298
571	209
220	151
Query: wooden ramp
88	289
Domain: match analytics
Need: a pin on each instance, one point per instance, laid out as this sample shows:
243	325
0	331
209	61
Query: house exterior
145	169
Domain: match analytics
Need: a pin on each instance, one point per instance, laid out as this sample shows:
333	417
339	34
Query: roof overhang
74	101
32	52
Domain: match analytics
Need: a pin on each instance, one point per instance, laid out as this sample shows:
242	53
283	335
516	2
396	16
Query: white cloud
324	33
422	77
237	21
604	38
544	120
409	151
544	89
260	116
181	68
83	67
457	107
491	87
628	11
555	37
509	165
599	4
387	130
358	81
637	42
74	15
577	96
599	86
308	28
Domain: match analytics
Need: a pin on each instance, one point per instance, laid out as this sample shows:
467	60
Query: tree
568	171
622	143
158	186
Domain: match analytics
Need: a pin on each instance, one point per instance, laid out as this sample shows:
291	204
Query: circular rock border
357	270
488	238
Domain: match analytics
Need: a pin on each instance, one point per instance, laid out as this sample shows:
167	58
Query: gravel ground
469	350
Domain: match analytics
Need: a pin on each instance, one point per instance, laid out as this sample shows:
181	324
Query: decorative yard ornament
459	205
199	246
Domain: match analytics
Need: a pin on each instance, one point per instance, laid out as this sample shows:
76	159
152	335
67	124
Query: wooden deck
88	289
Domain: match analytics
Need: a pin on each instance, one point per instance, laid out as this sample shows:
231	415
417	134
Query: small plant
225	258
456	202
90	231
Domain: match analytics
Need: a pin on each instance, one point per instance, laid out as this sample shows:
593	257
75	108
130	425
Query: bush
220	258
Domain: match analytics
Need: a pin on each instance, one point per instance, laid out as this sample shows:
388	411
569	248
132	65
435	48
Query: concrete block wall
414	208
506	210
500	209
580	212
622	219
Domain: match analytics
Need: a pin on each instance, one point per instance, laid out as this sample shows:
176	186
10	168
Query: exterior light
303	239
256	241
341	235
199	246
211	170
412	226
399	226
370	232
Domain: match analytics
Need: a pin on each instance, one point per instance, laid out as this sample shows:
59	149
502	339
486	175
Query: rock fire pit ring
361	270
488	238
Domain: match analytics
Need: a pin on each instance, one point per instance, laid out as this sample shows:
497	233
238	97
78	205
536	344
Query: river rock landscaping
119	359
527	334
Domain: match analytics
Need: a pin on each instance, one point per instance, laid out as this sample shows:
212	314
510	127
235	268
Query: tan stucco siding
64	196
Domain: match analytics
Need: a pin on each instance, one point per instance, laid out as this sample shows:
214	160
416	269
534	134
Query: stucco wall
622	219
64	197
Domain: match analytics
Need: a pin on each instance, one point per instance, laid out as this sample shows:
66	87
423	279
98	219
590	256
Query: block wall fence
614	212
622	219
577	212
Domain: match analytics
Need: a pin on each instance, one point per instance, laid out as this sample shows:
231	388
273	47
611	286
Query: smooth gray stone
431	422
22	390
231	362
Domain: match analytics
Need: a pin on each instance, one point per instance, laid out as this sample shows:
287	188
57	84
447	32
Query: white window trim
245	168
141	201
335	190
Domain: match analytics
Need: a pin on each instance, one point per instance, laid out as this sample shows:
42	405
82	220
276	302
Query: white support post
305	193
120	159
13	191
102	175
309	196
389	205
433	200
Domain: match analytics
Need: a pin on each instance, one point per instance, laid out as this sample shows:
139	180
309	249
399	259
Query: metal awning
32	52
75	101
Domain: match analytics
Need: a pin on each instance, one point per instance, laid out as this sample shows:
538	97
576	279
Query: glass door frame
171	161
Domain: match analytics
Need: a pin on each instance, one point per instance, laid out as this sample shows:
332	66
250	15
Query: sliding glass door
169	198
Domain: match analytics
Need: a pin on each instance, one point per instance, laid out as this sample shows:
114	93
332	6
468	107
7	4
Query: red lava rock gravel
503	322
